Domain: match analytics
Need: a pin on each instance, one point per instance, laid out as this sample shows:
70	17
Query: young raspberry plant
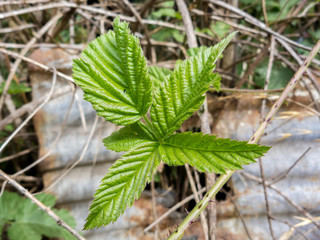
152	104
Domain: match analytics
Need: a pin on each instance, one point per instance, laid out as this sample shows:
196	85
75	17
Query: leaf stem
178	233
150	125
147	120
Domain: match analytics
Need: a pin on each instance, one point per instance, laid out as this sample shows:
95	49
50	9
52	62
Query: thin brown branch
19	154
290	86
62	24
4	3
154	209
83	153
314	81
253	66
295	205
285	174
24	51
47	154
243	29
203	218
262	113
96	11
54	79
257	23
13	54
192	183
264	9
44	45
238	213
250	91
16	29
29	107
187	22
139	19
290	225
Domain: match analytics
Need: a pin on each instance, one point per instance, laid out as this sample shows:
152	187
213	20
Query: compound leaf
123	184
114	76
112	72
129	137
183	91
27	221
207	153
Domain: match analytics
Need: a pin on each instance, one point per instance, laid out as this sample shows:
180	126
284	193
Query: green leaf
216	83
112	72
18	231
183	92
158	75
207	153
220	28
27	221
123	184
194	51
47	199
280	75
178	63
168	34
167	4
8	207
15	88
165	12
65	215
129	137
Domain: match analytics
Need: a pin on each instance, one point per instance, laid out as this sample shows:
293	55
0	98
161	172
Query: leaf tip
264	149
94	221
231	35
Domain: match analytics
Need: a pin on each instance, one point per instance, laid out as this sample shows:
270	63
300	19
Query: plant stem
200	206
150	125
178	233
147	120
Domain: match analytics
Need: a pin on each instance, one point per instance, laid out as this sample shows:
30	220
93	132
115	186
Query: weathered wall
289	137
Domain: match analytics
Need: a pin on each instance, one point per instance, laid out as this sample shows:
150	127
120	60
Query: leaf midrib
190	104
207	150
178	118
137	170
112	82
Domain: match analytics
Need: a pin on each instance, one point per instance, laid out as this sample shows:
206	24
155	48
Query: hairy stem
193	215
178	233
